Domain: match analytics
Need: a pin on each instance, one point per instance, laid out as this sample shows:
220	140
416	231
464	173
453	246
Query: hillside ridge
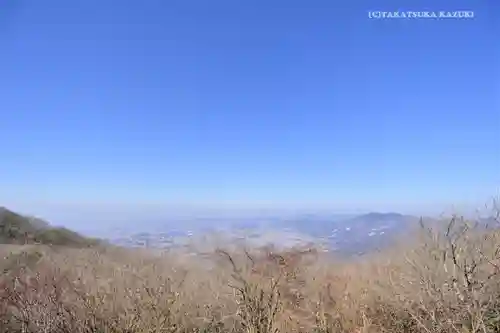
19	229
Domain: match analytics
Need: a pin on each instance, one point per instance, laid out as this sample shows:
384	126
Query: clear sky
248	102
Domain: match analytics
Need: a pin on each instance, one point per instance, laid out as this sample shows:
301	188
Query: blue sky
248	103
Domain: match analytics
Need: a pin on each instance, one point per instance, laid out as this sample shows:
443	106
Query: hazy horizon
87	216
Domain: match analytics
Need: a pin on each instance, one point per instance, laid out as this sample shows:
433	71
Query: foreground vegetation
443	281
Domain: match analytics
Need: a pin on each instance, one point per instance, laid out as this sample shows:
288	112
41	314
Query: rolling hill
19	229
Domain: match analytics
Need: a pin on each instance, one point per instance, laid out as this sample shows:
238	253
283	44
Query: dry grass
446	281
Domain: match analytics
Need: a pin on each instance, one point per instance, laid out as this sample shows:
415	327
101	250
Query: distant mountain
19	229
371	231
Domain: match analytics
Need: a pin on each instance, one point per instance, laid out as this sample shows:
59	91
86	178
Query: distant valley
343	234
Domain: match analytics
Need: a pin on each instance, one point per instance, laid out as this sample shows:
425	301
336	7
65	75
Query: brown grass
446	281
